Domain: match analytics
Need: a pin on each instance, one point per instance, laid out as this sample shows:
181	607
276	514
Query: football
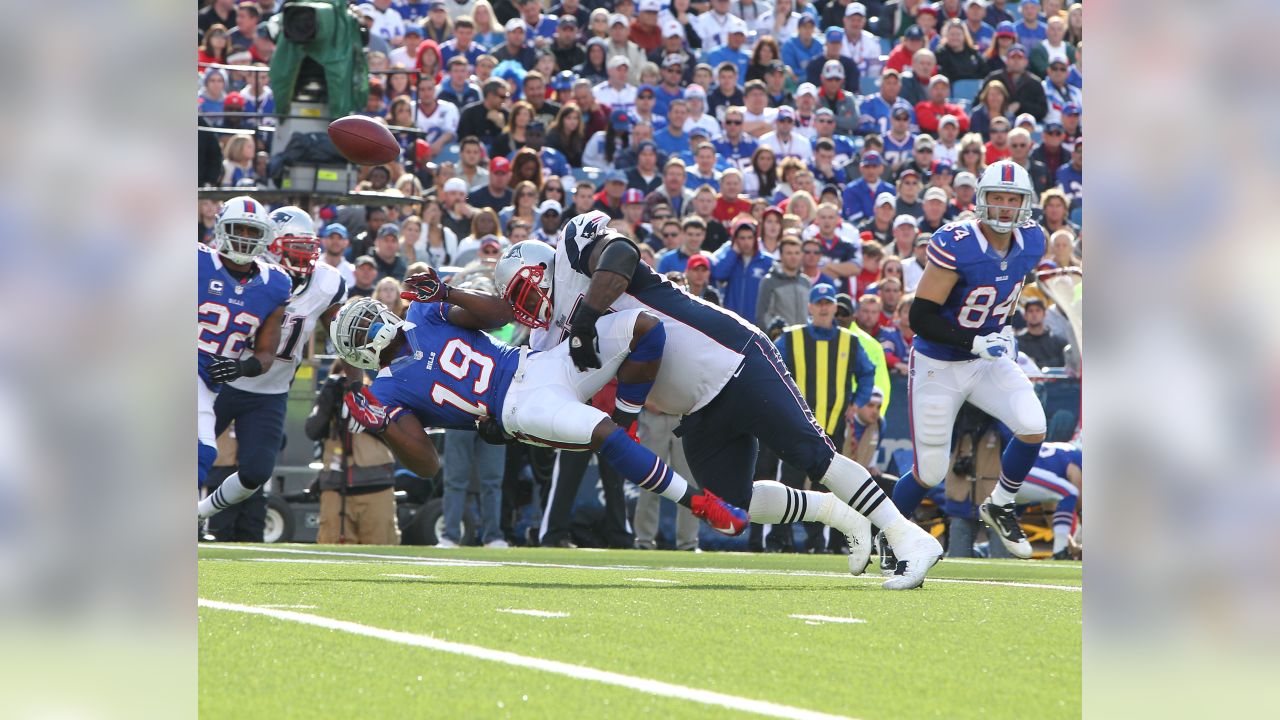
363	141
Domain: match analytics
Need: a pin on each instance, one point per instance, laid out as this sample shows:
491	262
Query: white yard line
818	619
534	613
655	580
577	672
293	607
438	562
409	576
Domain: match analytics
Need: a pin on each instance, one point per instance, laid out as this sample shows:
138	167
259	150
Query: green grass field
722	634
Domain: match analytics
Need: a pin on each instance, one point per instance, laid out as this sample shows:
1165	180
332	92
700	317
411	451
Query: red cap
421	150
698	260
233	100
500	164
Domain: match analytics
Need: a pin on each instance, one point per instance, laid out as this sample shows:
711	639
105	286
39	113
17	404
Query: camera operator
357	487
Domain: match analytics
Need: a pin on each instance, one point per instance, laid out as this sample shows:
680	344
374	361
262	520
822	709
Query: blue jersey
738	155
1055	457
874	113
229	312
449	375
986	293
846	150
1072	183
897	153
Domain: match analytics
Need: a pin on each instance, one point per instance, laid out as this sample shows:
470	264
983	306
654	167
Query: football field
341	631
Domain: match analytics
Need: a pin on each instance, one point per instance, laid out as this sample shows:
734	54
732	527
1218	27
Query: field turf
312	631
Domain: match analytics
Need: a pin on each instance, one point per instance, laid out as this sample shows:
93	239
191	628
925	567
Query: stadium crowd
755	150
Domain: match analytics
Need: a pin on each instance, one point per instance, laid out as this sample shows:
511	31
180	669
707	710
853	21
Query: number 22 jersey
448	375
229	312
986	294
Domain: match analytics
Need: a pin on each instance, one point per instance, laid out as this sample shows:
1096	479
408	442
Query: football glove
584	346
365	413
224	369
492	433
995	345
425	288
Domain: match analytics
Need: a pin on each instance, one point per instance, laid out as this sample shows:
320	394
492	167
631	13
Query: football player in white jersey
258	404
719	372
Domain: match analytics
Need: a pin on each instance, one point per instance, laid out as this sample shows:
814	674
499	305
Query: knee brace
932	443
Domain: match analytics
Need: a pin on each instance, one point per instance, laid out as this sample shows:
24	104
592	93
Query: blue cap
564	79
914	33
620	120
822	291
651	88
1006	28
1071	109
647	145
835	34
615	176
335	229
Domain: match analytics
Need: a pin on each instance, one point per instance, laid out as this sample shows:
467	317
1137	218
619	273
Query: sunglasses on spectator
732	122
1055	132
811	252
1060	68
645	96
670	234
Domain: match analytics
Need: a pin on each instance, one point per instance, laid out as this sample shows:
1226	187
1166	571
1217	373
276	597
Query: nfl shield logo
239	289
1004	266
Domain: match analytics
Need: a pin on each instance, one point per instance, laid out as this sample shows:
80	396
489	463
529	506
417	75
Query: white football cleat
445	543
916	551
1003	521
859	536
497	544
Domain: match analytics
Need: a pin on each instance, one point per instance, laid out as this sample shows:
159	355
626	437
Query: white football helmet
523	277
362	329
586	225
242	231
295	246
1004	176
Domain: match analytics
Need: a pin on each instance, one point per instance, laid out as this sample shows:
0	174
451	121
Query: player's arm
1075	476
927	319
223	369
409	442
611	265
468	309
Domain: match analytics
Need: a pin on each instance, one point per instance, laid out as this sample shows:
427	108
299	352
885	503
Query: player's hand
365	413
224	369
584	346
425	288
995	345
491	432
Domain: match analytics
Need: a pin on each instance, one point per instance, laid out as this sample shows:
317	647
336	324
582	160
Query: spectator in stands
1052	49
516	45
913	267
517	124
438	245
998	14
859	45
497	193
246	29
594	67
1020	152
908	193
457	87
484	222
842	258
693	230
215	48
704	205
1025	92
334	236
1058	92
584	200
609	199
761	177
784	292
811	263
875	110
904	52
1062	248
727	94
645	175
486	119
568	134
212	95
997	148
366	275
620	45
803	47
898	16
993	102
820	67
880	222
935	210
1031	29
386	253
915	82
972	155
872	256
905	229
958	57
739	268
523	206
1075	24
929	111
860	195
1043	347
1005	38
673	139
704	171
869	315
732	51
730	203
976	26
1055	211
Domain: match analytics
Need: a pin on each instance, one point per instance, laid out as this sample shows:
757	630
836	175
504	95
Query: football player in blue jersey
257	404
437	369
965	350
240	306
723	375
1056	478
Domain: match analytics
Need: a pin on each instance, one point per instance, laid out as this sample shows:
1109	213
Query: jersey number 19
456	360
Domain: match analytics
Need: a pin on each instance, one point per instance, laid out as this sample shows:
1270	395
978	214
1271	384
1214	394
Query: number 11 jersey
448	375
986	294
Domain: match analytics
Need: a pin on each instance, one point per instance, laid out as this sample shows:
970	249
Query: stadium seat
1035	137
1077	216
886	46
869	85
587	173
966	89
448	154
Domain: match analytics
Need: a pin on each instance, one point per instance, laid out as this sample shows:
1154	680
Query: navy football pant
761	402
259	423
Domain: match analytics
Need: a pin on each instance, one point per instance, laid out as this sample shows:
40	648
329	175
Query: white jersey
443	121
797	146
325	288
705	343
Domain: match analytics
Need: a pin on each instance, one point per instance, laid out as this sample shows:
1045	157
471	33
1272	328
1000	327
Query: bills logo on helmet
1006	173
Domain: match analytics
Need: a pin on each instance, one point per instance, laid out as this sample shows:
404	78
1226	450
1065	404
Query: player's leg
1038	489
206	438
260	432
1004	392
631	346
935	392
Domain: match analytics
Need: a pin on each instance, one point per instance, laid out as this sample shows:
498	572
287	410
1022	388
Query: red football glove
425	288
365	413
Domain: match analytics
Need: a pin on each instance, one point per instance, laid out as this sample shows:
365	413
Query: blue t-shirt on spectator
671	144
1071	181
1031	36
796	56
724	53
874	113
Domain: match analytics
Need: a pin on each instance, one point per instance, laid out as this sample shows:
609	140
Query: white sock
676	489
228	493
772	502
851	482
1061	533
1000	496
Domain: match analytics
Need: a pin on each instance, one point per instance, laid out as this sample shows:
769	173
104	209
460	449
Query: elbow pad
620	256
928	322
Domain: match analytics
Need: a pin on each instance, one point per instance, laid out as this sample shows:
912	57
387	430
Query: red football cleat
720	515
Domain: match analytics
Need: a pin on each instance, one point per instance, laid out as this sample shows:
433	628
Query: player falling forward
721	373
436	368
1056	478
964	348
241	302
258	404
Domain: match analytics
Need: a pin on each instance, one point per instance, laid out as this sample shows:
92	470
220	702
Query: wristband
250	367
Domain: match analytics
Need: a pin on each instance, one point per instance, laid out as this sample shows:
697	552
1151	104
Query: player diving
720	373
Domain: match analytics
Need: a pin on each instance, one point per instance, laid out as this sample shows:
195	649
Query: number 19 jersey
449	375
986	294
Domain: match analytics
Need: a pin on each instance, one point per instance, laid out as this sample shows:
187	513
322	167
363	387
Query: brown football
363	141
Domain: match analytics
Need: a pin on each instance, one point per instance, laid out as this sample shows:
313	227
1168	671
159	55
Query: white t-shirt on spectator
387	24
770	115
713	29
912	271
845	232
865	53
797	146
706	122
443	120
401	56
764	26
950	154
624	99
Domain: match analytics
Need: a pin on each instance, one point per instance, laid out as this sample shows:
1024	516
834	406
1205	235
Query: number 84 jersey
986	294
